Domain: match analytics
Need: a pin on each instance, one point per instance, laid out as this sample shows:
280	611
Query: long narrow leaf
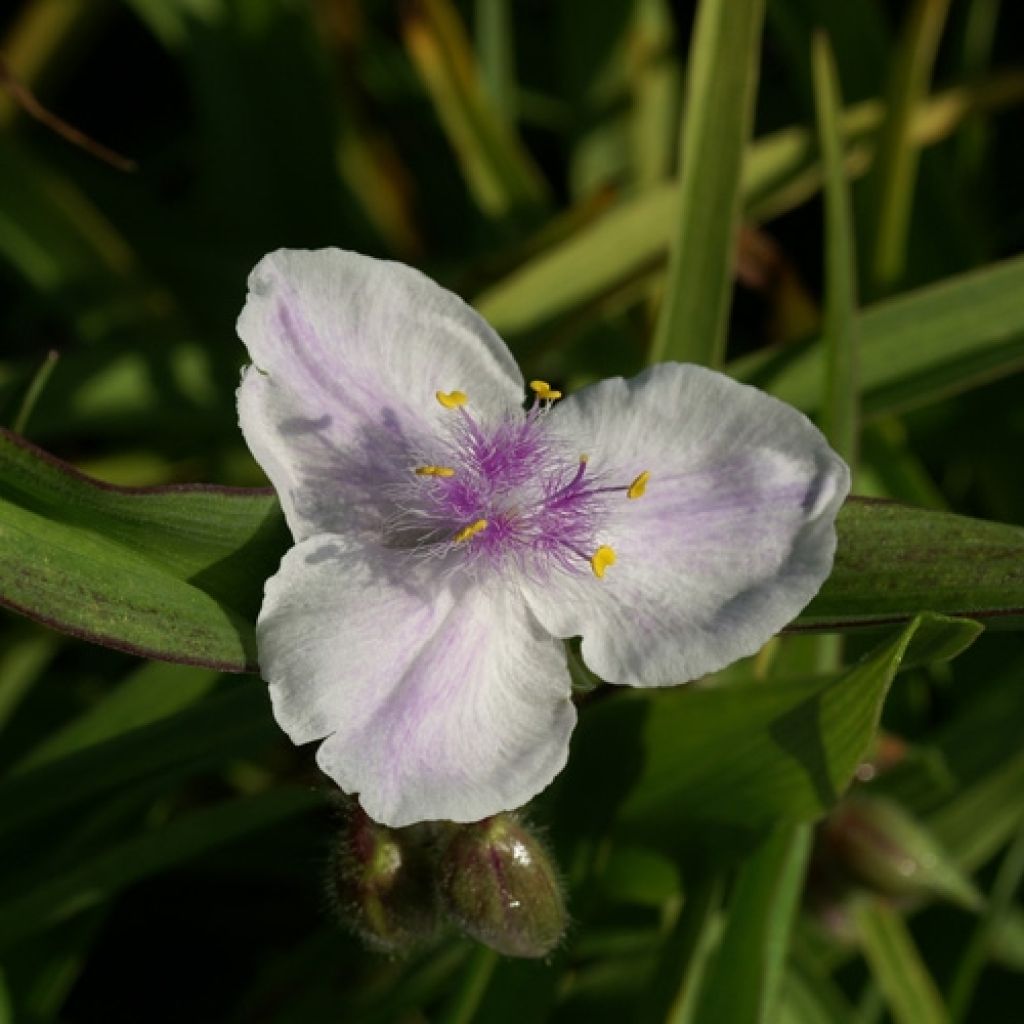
717	116
779	172
149	853
174	572
914	349
896	964
840	413
895	172
742	984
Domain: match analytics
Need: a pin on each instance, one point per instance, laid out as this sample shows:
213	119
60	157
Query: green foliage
162	846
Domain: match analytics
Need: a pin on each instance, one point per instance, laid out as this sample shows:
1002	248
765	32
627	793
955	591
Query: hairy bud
381	883
500	886
881	846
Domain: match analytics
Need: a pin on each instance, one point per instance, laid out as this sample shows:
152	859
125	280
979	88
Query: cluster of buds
492	879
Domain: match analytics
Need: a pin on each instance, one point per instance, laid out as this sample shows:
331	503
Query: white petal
348	354
734	535
436	704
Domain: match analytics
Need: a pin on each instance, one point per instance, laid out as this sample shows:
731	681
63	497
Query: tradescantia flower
449	534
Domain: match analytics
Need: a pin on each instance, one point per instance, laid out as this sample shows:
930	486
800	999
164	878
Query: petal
438	704
734	535
348	355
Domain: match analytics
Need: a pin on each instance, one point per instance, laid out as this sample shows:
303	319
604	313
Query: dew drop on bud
381	883
499	885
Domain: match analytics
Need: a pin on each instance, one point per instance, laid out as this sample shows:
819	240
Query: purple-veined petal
733	536
348	353
437	703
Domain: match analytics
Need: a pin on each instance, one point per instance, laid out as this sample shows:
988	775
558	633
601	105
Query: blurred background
525	155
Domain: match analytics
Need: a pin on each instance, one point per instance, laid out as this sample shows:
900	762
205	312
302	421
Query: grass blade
671	995
118	866
896	964
915	349
840	412
717	117
895	173
742	984
1000	905
498	170
779	172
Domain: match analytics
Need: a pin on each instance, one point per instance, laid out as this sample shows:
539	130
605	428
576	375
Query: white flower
447	538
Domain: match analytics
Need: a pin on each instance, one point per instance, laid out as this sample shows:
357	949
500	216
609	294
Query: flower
447	539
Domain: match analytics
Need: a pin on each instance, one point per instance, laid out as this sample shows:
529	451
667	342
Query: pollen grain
639	486
601	559
452	399
468	532
543	390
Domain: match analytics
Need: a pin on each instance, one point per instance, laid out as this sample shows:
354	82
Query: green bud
883	848
381	883
500	886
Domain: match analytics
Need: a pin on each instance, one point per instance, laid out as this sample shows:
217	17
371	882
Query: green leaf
894	175
894	562
22	661
174	573
656	87
155	691
793	747
177	573
840	413
975	823
940	638
180	745
742	984
496	52
779	172
23	913
718	111
1000	906
498	170
896	964
671	995
915	349
812	998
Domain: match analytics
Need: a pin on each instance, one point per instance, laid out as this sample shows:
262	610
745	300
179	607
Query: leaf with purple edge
174	573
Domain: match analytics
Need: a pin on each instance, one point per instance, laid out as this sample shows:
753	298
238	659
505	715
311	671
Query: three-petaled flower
449	535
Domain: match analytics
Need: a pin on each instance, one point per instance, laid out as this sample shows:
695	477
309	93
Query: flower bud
381	883
499	885
881	846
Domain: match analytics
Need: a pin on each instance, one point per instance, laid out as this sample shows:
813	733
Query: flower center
510	493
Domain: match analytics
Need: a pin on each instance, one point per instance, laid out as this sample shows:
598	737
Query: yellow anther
584	458
601	559
639	485
542	389
435	471
470	531
452	399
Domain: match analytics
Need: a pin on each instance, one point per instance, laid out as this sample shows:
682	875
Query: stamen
543	390
601	559
434	471
470	531
452	399
639	485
